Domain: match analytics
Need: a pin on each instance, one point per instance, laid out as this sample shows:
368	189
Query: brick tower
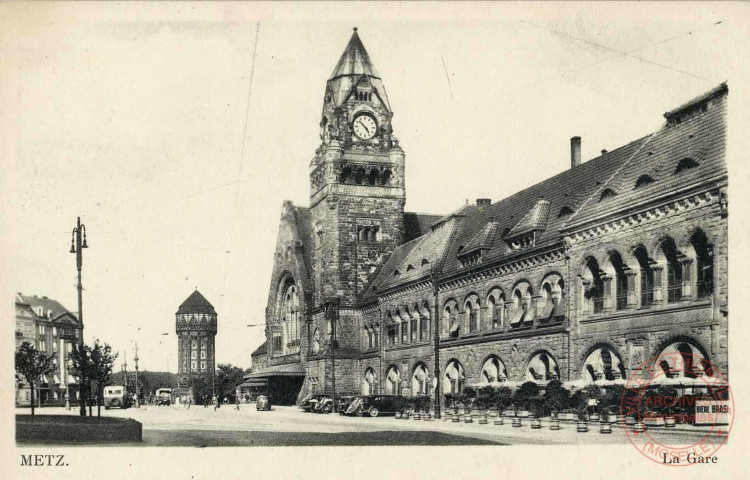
357	197
356	179
196	332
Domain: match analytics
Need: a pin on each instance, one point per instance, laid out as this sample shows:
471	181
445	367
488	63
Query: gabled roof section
569	188
482	240
353	65
261	350
51	309
417	224
699	139
423	254
196	303
535	220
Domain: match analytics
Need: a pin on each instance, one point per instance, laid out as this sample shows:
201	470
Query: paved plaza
288	426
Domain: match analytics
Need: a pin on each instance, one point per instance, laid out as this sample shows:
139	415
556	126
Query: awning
287	370
254	383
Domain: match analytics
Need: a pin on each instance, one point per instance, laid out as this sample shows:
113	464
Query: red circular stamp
677	408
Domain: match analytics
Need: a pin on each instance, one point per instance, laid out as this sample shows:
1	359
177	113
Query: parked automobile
163	402
343	402
376	405
262	403
324	405
307	403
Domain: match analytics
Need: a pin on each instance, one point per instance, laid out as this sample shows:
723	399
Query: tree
556	397
82	369
32	364
228	378
524	394
501	399
102	363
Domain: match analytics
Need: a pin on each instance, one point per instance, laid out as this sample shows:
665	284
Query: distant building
50	328
195	323
251	388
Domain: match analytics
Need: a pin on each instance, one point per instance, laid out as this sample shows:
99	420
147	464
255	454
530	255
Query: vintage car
307	403
376	405
343	402
262	403
323	405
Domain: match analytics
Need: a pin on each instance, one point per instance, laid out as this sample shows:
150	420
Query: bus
164	396
115	397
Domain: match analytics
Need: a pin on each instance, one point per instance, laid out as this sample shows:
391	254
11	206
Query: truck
115	396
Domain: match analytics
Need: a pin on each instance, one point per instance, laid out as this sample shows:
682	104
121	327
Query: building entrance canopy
288	370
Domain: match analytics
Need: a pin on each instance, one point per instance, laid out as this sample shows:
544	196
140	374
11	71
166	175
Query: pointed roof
354	67
196	303
354	60
536	219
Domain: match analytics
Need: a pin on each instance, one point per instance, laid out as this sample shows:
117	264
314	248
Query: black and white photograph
489	235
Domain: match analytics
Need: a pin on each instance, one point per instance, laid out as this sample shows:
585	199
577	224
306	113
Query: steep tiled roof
353	65
196	303
535	220
417	224
700	137
50	308
262	349
304	230
482	240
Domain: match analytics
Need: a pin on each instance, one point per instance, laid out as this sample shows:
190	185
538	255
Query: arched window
603	364
419	380
453	381
685	164
683	359
493	370
385	177
368	382
471	307
393	381
346	175
674	270
450	319
359	176
593	286
496	308
316	342
541	368
704	263
607	193
621	280
647	276
372	178
643	180
414	325
424	321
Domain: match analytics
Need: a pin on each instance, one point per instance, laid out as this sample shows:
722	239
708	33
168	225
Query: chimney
483	202
575	151
604	150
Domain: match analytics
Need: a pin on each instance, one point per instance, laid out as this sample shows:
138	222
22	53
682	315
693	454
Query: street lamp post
77	246
137	388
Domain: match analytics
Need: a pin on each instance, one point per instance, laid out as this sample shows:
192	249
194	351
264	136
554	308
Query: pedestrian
215	402
205	401
237	403
189	401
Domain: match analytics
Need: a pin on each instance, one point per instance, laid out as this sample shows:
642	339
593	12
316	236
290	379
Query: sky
176	131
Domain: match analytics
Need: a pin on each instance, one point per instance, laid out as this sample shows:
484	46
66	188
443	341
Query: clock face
365	127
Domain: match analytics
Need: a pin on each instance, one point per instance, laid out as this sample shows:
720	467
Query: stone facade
582	277
51	329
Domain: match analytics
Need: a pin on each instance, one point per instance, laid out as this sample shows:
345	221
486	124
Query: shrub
524	394
556	397
502	399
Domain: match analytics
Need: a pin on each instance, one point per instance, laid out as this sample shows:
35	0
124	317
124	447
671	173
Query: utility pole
137	389
332	314
125	370
436	329
77	246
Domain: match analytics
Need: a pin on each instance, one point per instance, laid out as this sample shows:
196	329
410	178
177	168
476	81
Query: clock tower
356	181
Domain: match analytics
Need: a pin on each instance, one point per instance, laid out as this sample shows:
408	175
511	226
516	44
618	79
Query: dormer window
643	180
685	164
409	267
425	262
396	273
607	193
564	212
